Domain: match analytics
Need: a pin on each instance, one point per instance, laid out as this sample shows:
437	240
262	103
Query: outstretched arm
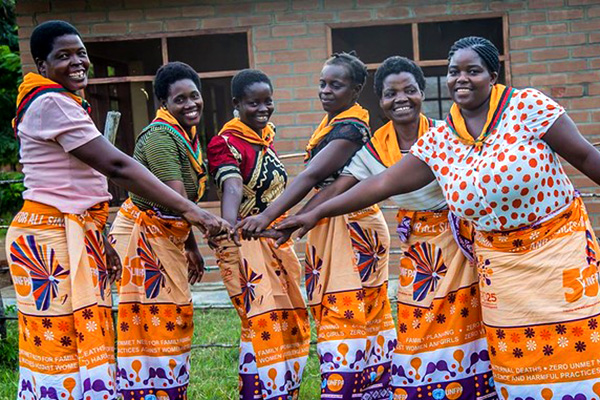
566	140
329	160
405	176
132	176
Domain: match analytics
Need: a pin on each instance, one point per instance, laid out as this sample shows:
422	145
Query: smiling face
401	98
337	92
469	80
184	102
67	63
256	107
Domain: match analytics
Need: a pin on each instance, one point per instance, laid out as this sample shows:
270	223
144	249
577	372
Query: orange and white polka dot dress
510	179
536	252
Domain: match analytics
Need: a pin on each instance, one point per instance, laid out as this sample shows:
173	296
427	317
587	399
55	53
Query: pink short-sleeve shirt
515	180
53	126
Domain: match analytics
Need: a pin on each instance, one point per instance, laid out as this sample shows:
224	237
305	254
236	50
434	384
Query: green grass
213	370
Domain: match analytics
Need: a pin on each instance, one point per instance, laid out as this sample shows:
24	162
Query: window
427	43
123	70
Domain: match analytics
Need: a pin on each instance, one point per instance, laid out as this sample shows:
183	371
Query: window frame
163	36
414	22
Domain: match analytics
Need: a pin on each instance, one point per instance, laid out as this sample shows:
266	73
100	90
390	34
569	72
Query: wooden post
111	126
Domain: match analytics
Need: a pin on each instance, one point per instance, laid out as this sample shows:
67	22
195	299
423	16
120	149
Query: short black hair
43	37
483	47
170	73
245	78
396	65
358	70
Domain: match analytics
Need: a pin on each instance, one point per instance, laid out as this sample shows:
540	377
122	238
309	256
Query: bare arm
341	184
403	177
132	176
566	140
231	200
329	160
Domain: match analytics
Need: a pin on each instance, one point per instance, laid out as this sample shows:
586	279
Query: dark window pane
124	58
436	38
206	53
373	44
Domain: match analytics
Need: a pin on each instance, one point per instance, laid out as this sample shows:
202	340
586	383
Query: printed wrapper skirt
442	350
541	306
66	338
346	279
264	286
155	320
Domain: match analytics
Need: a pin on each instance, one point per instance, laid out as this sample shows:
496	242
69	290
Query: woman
158	248
54	244
496	159
428	308
347	292
263	281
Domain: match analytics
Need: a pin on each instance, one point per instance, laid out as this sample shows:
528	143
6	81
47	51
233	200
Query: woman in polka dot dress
496	159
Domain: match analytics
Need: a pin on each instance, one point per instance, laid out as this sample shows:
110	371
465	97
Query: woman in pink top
55	245
496	160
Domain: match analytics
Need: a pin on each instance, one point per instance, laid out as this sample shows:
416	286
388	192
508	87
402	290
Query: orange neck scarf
355	114
385	141
499	100
35	85
239	129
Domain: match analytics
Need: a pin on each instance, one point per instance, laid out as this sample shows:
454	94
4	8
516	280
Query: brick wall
554	45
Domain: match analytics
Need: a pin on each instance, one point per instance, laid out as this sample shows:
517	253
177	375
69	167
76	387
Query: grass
213	370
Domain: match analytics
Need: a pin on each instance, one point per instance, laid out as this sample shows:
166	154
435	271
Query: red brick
305	4
271	6
595	116
373	3
438	9
583	26
25	20
292	81
290	17
337	4
276	69
125	15
566	91
593	12
285	145
102	5
587	51
309	118
316	29
518	30
582	2
144	27
290	56
254	20
91	16
283	94
32	7
52	16
567	40
519	56
584	77
262	58
212	23
595	63
308	67
321	16
178	2
282	119
533	4
288	30
261	32
526	17
237	8
527	43
306	93
355	15
293	106
568	66
590	130
319	54
68	5
549	54
393	12
521	81
197	11
308	43
528	68
545	29
594	89
585	103
578	116
505	6
467	8
113	28
182	24
561	15
550	79
142	3
162	13
271	45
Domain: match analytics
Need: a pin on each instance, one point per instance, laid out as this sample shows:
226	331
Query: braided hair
357	69
43	36
170	73
397	65
245	78
483	47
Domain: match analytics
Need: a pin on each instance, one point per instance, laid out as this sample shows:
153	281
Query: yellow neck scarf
166	116
499	100
356	112
385	141
239	129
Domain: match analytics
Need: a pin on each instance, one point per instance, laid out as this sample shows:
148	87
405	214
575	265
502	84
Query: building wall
554	45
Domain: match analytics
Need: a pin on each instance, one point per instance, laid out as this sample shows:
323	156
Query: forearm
231	199
338	187
190	242
292	195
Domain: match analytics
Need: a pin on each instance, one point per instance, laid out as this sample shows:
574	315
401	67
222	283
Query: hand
113	262
285	235
305	222
214	242
252	226
209	224
195	264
